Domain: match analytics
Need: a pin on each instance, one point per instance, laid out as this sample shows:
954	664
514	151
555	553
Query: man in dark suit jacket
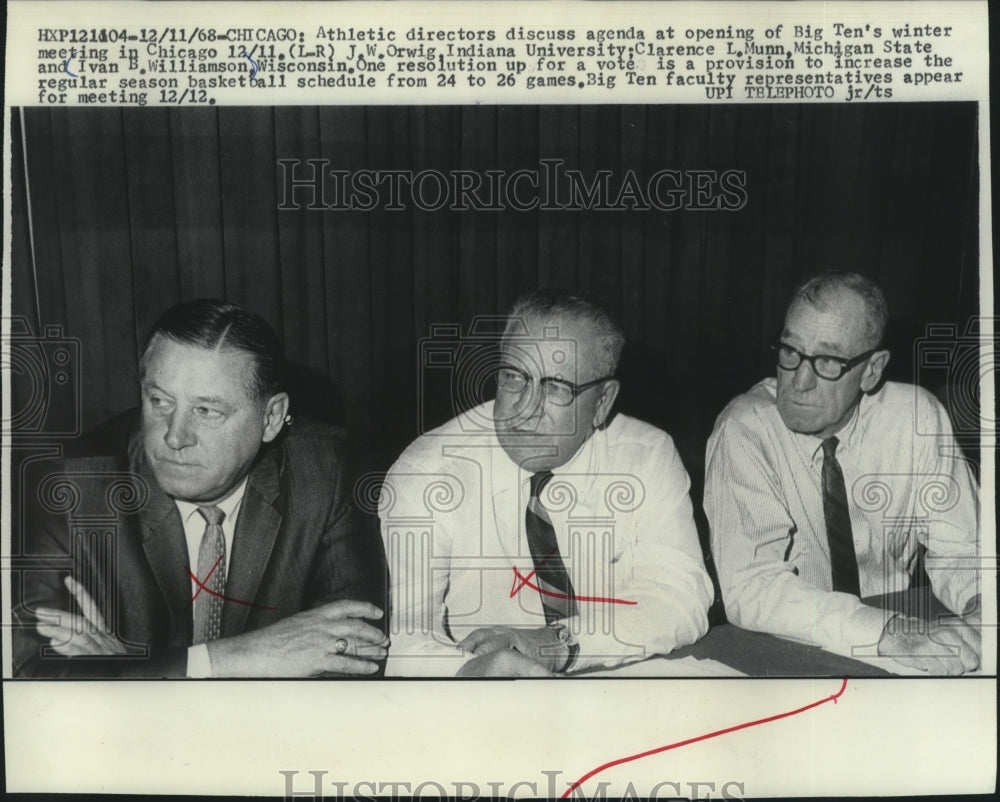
220	542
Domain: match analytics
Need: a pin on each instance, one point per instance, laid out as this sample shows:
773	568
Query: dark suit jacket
299	542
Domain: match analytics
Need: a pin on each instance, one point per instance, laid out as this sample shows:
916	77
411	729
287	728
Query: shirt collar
228	505
848	436
578	464
507	475
580	461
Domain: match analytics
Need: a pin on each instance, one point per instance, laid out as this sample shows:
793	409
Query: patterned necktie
550	571
838	523
211	574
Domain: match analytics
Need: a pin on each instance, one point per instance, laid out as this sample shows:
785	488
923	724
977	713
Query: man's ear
873	370
275	412
607	400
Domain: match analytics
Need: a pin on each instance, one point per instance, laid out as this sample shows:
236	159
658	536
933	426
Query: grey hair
577	307
820	291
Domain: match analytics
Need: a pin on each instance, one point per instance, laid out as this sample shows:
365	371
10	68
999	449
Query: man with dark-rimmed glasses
821	493
535	535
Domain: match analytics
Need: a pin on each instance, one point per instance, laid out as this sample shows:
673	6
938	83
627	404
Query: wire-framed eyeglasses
558	391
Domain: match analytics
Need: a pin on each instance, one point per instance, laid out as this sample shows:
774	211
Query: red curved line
203	587
705	737
556	594
241	601
516	588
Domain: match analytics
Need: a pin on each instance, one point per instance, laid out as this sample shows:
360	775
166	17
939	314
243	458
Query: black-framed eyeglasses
825	366
559	391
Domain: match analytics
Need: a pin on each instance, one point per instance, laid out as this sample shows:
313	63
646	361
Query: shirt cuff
199	665
598	649
958	591
863	630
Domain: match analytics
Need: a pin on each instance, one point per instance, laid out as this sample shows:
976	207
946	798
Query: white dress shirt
194	529
907	485
452	512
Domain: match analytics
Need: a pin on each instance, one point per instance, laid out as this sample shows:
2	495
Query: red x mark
526	581
203	587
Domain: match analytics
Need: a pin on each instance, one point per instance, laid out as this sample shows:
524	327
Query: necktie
550	571
838	523
212	574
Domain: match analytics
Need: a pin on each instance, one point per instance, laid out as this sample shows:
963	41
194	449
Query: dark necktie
838	523
550	571
211	574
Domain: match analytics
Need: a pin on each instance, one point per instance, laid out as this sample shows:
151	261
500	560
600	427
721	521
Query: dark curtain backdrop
133	210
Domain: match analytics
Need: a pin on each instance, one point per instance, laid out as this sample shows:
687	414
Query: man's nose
180	432
805	376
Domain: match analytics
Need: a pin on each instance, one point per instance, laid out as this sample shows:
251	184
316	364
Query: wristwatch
566	637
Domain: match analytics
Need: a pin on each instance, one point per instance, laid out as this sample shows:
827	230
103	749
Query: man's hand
78	635
542	645
503	663
948	648
331	639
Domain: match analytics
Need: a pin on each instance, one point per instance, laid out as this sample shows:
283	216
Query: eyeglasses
823	365
559	391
